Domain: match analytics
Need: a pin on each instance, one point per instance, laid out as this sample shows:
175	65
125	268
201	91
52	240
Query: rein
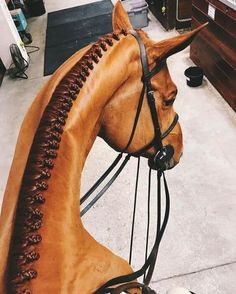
160	162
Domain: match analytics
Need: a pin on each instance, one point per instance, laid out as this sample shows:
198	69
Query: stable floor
198	250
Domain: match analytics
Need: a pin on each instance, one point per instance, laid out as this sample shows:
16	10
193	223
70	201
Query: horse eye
169	102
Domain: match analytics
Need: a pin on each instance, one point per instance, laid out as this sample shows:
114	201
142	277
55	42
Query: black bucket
194	76
35	7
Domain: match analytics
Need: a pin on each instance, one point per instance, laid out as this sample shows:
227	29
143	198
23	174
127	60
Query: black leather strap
172	125
163	135
147	75
104	189
156	125
136	118
101	179
145	289
155	70
151	260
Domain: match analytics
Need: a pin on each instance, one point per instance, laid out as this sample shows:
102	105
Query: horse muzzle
163	159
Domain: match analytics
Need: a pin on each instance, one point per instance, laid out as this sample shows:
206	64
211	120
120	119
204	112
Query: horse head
119	114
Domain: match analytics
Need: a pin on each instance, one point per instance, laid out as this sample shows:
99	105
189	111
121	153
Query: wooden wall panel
183	13
184	9
168	17
214	49
225	17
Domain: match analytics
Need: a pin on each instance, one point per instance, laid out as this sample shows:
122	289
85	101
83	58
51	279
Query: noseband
160	162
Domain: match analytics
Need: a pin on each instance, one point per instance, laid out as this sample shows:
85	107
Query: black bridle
161	161
164	154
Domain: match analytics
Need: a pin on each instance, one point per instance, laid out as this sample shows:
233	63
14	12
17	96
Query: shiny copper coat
44	246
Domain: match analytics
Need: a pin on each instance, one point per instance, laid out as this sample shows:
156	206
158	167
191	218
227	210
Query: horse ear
166	48
120	18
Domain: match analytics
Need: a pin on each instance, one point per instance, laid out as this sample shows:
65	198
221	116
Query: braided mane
39	169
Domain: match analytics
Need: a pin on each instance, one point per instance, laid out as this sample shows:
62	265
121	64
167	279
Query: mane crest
29	213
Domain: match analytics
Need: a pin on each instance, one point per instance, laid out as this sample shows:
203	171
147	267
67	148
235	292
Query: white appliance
9	35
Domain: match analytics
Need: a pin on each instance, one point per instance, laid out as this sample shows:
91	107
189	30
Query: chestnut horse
43	243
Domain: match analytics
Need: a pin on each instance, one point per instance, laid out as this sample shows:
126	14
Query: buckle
163	159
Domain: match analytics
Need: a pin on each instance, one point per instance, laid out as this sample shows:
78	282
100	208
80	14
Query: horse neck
48	206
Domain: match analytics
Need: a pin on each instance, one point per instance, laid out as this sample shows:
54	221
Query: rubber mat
69	30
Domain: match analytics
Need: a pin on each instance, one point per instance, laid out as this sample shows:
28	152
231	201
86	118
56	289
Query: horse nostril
169	102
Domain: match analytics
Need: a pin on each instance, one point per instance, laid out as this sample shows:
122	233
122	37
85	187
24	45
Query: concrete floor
198	250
